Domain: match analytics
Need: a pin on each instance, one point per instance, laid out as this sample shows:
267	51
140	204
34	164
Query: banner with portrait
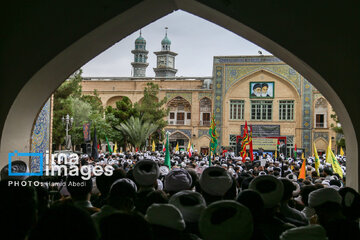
262	89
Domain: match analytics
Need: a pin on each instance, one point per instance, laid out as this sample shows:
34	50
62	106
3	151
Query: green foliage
143	118
80	112
123	111
151	108
339	130
115	116
94	101
83	109
63	96
136	131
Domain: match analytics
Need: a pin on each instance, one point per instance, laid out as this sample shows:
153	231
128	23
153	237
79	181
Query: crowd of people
225	197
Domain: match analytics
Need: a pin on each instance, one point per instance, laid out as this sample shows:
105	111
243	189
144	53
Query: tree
339	130
81	112
94	101
83	109
63	96
137	131
115	116
151	109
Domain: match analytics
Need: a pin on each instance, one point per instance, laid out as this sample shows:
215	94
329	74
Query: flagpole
167	152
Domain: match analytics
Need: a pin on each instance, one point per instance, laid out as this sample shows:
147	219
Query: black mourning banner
263	130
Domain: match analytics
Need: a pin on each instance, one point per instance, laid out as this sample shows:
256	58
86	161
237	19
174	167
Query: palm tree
136	131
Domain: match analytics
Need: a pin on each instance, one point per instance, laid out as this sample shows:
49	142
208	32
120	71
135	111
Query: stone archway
321	145
180	139
112	101
51	73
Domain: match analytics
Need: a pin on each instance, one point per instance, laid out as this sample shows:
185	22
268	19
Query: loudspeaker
88	149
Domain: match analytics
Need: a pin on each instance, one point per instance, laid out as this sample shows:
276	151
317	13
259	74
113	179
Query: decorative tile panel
317	95
324	135
234	73
306	118
203	132
185	95
205	94
187	132
40	137
252	59
218	93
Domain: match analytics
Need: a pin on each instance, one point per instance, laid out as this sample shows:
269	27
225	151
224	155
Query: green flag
108	145
330	158
167	152
317	161
213	135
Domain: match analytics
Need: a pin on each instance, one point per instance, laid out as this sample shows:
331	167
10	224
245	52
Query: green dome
166	41
140	40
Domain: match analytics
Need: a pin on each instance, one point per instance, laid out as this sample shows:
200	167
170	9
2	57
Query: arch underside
24	108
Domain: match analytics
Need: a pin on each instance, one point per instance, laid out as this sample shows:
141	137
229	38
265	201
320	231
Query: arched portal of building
180	139
112	101
321	146
179	111
154	99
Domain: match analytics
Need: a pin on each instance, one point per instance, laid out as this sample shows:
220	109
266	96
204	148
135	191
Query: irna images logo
17	154
67	165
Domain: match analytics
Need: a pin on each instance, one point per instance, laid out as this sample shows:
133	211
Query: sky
195	39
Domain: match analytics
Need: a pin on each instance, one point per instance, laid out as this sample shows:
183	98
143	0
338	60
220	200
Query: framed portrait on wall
262	89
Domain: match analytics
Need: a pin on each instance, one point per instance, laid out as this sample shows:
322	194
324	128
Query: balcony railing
204	123
320	125
179	122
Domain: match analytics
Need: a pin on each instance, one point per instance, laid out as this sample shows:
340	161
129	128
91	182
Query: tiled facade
231	81
40	138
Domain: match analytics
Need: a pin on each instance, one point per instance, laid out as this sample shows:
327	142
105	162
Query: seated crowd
144	199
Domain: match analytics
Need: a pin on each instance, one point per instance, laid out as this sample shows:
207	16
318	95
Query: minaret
165	66
140	57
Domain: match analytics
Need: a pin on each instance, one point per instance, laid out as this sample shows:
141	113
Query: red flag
190	151
251	145
223	152
98	146
245	142
164	149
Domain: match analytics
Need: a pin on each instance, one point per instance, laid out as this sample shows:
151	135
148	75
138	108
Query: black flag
94	152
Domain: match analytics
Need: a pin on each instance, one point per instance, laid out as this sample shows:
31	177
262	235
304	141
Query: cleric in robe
256	90
262	89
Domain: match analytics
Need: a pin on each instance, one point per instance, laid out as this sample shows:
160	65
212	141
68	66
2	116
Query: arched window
205	111
321	112
179	111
